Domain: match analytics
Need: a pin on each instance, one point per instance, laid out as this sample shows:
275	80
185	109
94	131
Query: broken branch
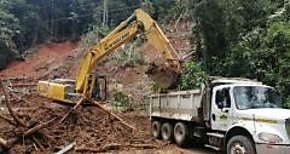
14	116
10	121
114	115
66	149
37	143
38	127
3	143
75	107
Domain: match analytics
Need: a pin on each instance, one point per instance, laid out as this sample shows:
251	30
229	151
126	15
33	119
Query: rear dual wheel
180	134
167	131
156	129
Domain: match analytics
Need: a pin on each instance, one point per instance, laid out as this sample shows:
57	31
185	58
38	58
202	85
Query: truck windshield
250	97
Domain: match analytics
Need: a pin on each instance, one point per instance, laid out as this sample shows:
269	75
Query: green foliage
192	76
9	24
5	55
264	54
93	36
9	27
120	100
161	8
222	24
129	55
287	103
155	88
118	10
26	23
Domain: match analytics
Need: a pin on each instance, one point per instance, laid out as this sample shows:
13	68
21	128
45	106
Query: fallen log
38	143
74	108
7	144
12	94
18	98
14	116
3	143
10	121
25	85
66	149
116	146
38	127
114	115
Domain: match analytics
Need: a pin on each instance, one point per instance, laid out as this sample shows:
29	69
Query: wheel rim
155	130
179	133
238	148
165	132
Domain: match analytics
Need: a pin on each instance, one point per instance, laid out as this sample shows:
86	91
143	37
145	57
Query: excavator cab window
99	89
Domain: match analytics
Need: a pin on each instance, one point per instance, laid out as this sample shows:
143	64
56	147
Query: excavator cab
96	88
63	90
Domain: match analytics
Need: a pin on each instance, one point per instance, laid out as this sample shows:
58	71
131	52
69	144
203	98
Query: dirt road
141	121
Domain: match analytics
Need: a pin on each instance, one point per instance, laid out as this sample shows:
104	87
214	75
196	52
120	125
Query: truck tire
156	129
167	131
240	144
180	134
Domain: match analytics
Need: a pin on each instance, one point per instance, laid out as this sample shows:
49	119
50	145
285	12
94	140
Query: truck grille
287	125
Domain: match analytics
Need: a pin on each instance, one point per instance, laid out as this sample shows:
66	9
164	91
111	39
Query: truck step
212	147
218	135
198	132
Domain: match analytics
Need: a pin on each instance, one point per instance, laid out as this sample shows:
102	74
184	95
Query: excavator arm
140	23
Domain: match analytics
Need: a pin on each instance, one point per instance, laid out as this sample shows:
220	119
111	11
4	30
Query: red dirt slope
46	54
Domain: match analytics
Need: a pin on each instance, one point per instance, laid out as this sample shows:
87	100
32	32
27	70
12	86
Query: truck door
221	110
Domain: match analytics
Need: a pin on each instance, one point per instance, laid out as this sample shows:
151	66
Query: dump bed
181	105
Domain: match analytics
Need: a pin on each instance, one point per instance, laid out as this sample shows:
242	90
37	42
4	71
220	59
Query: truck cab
254	110
231	115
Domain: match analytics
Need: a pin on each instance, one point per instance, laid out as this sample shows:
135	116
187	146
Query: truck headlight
270	138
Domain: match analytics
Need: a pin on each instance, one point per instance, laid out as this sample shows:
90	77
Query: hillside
52	60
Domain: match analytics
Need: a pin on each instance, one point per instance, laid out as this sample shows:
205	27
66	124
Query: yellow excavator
92	87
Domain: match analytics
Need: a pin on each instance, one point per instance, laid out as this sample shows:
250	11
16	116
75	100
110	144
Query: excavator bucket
164	76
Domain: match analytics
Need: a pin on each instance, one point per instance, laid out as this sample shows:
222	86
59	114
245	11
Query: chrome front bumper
272	149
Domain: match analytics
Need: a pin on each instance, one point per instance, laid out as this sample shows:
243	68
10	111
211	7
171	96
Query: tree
264	53
223	23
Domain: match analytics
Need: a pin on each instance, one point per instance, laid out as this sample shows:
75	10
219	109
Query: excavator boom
86	84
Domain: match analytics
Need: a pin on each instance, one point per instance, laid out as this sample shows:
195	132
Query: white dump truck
235	116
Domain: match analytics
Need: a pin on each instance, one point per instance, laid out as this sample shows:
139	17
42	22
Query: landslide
43	60
88	126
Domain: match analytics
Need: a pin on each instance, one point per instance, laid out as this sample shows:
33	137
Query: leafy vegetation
129	54
120	100
264	54
240	38
244	39
26	23
192	76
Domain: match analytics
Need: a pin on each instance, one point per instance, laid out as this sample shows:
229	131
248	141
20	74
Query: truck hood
268	113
